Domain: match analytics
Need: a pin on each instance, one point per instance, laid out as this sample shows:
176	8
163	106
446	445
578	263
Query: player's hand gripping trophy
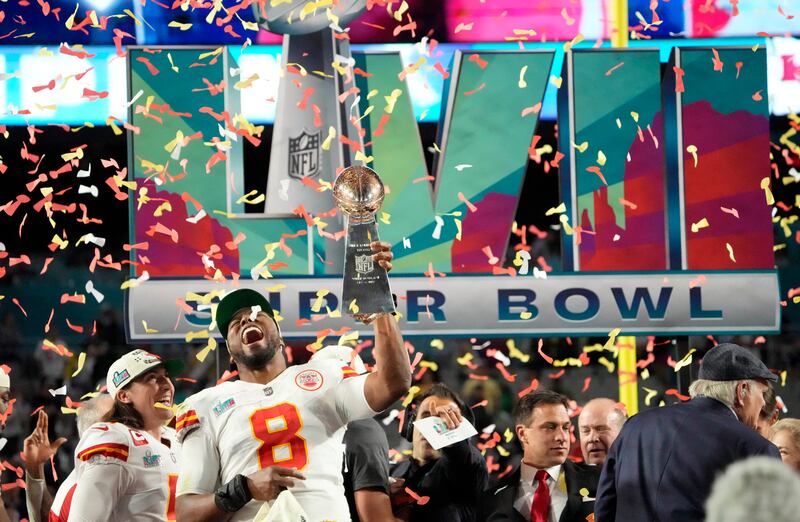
359	192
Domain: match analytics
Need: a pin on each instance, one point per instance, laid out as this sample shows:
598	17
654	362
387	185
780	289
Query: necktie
541	498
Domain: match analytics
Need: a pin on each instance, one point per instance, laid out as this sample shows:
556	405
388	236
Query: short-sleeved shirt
366	460
294	421
125	474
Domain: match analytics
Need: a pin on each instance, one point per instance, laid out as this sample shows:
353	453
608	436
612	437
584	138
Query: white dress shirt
528	485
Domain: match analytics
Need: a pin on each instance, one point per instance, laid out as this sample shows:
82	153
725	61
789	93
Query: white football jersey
59	509
294	421
124	474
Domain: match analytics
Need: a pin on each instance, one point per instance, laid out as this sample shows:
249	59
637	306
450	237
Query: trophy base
366	284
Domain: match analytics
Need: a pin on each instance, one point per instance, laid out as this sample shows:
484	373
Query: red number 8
274	437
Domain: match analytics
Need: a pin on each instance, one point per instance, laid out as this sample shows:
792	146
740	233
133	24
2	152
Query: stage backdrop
664	211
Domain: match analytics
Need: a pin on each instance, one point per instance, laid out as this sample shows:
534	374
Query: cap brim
235	301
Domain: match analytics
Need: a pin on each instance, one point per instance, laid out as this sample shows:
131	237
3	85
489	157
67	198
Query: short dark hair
524	408
443	392
126	414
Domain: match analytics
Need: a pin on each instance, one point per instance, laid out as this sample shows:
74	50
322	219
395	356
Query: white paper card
438	436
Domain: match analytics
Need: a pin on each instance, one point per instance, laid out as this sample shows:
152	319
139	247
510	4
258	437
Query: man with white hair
758	489
37	449
665	460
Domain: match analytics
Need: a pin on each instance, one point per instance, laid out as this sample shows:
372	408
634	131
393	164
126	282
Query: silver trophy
358	192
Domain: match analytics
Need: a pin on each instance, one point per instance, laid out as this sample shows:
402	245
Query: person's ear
520	429
124	397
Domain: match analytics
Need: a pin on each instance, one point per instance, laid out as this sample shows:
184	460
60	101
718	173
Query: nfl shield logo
304	155
364	264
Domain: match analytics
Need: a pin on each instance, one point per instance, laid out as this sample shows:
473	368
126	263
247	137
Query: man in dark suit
546	486
664	461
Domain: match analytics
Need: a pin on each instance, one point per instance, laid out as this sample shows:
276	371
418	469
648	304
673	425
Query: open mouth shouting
252	334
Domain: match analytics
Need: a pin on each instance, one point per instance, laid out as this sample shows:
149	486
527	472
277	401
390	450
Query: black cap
235	301
731	362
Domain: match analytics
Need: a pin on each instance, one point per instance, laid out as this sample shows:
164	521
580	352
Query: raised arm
392	375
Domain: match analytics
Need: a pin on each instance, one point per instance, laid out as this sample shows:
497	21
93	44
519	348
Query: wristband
234	495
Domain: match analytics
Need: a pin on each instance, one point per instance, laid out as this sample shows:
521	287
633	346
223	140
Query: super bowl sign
665	209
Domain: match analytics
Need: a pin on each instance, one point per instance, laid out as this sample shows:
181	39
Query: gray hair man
665	460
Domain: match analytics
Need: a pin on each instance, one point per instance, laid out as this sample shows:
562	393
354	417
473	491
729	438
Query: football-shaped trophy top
358	192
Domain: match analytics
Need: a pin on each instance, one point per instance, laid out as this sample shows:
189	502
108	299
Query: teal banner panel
462	222
719	157
613	175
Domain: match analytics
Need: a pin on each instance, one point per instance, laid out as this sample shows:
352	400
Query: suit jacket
498	503
663	463
453	484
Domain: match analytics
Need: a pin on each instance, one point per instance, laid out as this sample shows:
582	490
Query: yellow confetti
81	361
649	396
464	359
703	223
730	252
199	334
349	337
635	116
619	123
250	199
430	365
557	210
182	27
525	315
361	157
575	41
438	344
556	81
601	158
391	100
385	218
317	306
582	147
353	307
516	353
522	83
410	397
767	191
685	361
68	411
608	364
645	374
147	329
583	492
565	223
508	435
502	451
326	145
202	354
692	149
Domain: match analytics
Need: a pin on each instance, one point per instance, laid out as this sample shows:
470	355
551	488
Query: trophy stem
365	282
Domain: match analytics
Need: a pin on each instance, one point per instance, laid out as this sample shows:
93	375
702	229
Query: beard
259	359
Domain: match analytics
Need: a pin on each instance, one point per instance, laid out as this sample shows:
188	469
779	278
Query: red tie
541	498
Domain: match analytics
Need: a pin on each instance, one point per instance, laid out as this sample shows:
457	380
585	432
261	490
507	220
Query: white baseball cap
345	354
133	364
5	380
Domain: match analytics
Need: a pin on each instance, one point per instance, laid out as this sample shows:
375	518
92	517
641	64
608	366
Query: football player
279	427
127	466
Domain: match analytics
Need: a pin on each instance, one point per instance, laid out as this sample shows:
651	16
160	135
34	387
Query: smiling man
599	424
546	487
278	427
